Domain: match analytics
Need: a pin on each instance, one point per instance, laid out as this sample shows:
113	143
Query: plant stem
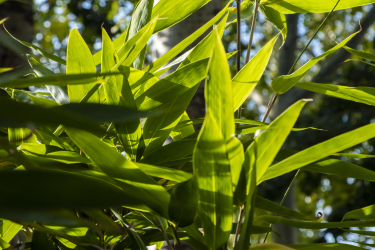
176	236
286	193
255	16
238	35
239	224
247	59
316	32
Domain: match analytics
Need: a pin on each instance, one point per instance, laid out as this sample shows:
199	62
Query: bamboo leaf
140	17
313	225
60	94
155	66
276	18
165	173
365	213
246	80
282	84
79	60
320	151
266	146
128	176
183	206
118	92
362	54
157	128
312	6
329	246
364	95
9	229
212	168
176	84
270	246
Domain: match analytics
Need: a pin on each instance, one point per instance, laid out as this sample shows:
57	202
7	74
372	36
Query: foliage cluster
85	166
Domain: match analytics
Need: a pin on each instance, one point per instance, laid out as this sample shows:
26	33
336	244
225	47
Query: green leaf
218	92
212	168
204	48
366	213
173	12
246	80
118	92
133	47
171	152
313	225
79	60
371	64
157	128
140	17
83	116
179	134
67	157
273	207
60	94
176	84
270	246
320	151
276	18
128	176
69	188
155	66
328	246
236	158
165	173
41	240
19	136
311	6
282	84
183	206
59	80
9	229
40	51
268	143
247	11
332	167
364	95
3	70
362	54
118	43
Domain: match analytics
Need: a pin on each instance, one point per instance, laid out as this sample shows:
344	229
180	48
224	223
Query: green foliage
85	166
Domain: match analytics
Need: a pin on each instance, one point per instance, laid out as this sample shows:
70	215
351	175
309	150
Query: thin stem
239	224
176	236
255	16
285	195
270	105
238	35
316	32
247	59
250	44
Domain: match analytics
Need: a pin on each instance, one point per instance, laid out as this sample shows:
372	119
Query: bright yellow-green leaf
276	18
140	17
364	95
128	176
365	213
362	54
218	92
79	60
155	66
246	80
320	151
268	143
328	246
118	92
8	230
282	84
311	6
179	134
212	168
311	224
270	246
